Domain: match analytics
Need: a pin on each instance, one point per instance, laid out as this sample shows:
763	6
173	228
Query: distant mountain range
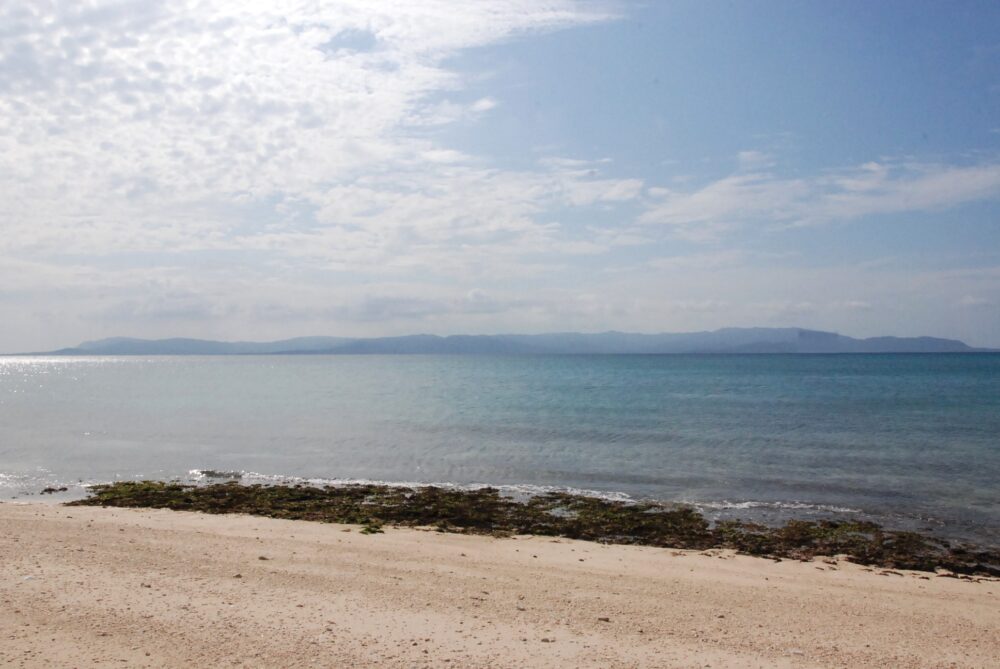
728	340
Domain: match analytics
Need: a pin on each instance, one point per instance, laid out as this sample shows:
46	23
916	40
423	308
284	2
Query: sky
243	169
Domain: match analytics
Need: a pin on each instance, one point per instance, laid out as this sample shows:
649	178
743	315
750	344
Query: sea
909	441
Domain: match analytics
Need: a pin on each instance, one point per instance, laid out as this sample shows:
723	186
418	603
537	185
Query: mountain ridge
722	341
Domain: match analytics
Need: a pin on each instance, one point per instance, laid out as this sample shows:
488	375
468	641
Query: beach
82	586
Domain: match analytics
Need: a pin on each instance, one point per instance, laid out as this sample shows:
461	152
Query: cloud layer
264	169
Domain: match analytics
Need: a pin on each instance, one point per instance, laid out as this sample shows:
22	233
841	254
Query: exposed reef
486	511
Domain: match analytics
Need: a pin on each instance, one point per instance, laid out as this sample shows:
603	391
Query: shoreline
974	534
487	511
103	586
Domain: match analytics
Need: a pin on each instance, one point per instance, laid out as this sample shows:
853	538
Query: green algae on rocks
486	511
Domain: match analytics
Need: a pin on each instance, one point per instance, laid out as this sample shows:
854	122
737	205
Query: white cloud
143	122
853	305
973	302
446	111
754	159
483	105
756	195
700	306
714	260
292	131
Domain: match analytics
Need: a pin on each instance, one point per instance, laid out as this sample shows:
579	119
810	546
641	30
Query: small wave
726	505
39	477
14	485
207	474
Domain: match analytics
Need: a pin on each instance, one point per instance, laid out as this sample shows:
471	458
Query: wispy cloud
715	260
754	195
974	302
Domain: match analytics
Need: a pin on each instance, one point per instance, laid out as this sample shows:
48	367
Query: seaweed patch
486	511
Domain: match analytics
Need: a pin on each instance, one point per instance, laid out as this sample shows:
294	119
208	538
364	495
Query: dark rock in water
216	474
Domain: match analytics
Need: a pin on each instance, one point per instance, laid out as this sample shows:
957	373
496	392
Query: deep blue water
910	440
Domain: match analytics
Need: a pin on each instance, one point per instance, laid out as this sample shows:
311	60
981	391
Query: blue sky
258	170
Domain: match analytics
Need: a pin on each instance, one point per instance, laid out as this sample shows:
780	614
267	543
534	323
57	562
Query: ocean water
912	441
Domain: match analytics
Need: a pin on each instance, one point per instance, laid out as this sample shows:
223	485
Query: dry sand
83	587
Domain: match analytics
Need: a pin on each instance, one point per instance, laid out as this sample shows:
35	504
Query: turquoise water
911	440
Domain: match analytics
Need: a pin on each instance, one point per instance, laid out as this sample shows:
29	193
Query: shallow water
910	440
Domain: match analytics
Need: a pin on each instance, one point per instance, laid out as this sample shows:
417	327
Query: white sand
83	587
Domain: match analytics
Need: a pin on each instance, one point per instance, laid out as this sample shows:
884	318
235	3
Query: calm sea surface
910	440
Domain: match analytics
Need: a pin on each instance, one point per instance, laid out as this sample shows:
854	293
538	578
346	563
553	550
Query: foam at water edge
515	491
42	478
726	505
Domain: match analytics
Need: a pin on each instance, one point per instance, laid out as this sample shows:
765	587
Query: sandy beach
82	587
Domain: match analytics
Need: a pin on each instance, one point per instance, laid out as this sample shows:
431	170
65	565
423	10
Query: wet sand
82	587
